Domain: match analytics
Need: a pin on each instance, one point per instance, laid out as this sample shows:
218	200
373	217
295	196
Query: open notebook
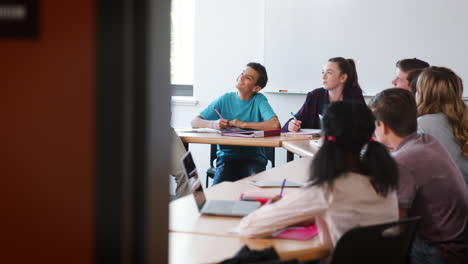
273	183
304	132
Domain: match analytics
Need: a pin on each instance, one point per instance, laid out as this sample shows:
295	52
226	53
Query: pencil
216	110
282	188
293	116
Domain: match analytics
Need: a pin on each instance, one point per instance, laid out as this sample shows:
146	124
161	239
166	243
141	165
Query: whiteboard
301	35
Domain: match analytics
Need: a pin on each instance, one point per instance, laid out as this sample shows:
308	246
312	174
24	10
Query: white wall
301	35
228	35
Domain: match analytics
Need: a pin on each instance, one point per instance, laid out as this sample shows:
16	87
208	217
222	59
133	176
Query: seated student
344	191
443	114
430	184
176	170
245	108
405	67
340	83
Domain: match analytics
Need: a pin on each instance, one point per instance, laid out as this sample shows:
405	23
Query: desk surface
215	138
195	248
184	215
302	148
192	234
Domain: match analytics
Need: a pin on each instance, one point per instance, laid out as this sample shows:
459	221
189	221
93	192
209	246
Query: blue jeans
421	253
236	169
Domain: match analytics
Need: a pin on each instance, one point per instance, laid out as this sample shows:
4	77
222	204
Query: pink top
352	202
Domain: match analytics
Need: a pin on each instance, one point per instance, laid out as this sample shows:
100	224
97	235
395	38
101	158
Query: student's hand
294	125
236	123
221	123
274	199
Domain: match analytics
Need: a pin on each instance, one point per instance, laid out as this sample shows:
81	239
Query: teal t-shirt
256	109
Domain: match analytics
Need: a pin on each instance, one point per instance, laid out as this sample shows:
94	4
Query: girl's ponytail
381	167
327	164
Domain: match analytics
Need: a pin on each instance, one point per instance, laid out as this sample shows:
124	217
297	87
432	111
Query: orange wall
47	138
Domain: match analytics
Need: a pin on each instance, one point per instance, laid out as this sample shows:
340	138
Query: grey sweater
438	126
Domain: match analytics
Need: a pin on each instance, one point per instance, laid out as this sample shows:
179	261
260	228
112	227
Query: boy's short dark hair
413	79
262	73
397	109
408	65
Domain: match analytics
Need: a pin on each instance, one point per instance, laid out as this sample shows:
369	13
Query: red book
254	133
301	233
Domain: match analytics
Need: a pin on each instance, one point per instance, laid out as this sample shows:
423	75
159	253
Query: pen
293	116
282	188
216	110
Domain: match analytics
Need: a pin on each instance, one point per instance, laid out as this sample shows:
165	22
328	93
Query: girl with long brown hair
442	112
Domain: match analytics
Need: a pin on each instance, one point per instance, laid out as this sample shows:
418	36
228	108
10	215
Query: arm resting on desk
294	209
199	122
271	124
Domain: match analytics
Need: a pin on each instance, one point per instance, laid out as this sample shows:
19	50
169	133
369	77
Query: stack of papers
305	132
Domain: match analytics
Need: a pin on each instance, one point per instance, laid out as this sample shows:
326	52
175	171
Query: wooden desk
195	248
302	148
184	215
215	138
192	234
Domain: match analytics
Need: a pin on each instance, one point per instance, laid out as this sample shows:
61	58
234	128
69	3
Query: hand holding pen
277	197
221	122
282	188
295	124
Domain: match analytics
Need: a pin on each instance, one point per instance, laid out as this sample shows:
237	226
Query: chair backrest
213	150
383	243
270	153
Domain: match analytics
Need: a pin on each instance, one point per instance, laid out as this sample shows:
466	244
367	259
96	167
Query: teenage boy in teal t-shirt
245	108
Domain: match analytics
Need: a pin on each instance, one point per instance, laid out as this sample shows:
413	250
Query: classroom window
182	46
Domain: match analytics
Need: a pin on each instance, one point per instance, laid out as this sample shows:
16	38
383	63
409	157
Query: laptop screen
193	180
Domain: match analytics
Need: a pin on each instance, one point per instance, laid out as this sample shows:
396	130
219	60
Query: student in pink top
344	190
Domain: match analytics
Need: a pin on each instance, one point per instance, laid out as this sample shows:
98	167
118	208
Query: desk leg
186	146
289	156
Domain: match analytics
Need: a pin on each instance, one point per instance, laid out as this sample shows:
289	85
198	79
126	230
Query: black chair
270	152
384	243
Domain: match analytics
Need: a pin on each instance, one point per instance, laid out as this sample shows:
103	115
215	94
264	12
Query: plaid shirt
315	104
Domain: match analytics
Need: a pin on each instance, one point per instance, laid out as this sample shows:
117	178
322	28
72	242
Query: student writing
245	108
340	83
344	191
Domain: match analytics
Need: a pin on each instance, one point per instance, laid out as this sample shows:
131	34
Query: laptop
213	207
